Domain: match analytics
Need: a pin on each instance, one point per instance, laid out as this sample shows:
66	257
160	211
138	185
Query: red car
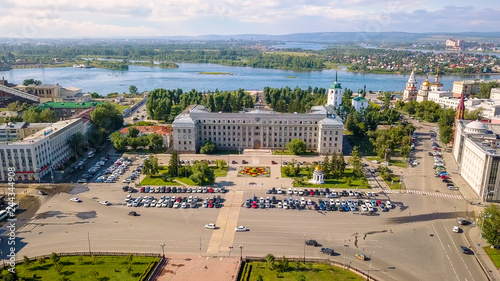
445	177
142	189
211	190
378	202
311	192
274	162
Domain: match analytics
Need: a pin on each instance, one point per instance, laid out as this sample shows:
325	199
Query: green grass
226	152
330	183
311	271
395	182
286	152
157	180
185	180
219	172
494	255
4	109
81	268
120	107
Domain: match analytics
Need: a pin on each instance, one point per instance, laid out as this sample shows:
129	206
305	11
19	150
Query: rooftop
13	125
49	130
68	104
160	130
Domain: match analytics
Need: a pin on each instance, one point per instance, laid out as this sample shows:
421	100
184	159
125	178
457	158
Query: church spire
335	77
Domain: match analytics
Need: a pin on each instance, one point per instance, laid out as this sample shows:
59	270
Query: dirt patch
182	267
48	214
86	215
78	189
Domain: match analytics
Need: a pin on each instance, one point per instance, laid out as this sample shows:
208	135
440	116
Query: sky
108	18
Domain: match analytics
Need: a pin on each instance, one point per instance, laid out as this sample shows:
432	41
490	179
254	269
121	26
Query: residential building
40	153
495	94
164	131
466	87
476	150
19	130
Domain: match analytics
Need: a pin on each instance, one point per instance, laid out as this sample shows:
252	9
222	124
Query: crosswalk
420	192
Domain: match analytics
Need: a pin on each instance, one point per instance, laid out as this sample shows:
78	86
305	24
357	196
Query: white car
210	226
240	229
76	199
105	203
388	204
364	208
456	229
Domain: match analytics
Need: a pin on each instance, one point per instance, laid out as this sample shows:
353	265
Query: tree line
297	100
165	105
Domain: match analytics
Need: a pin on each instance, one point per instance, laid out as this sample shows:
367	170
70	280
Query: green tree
48	116
119	141
94	274
77	143
132	89
133	132
489	221
356	162
155	142
300	277
270	261
41	260
485	89
445	134
32	115
11	276
208	148
201	174
150	166
14	106
31	81
97	136
283	264
107	117
297	146
26	261
173	164
58	266
260	278
221	164
54	257
326	166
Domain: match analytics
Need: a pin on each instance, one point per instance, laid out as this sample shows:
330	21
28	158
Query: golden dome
318	168
426	83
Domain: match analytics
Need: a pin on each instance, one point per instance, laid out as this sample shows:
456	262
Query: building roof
51	129
360	99
160	130
476	125
69	104
335	85
13	125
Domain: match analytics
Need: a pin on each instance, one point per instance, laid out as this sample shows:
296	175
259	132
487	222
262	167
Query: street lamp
162	245
241	252
369	266
305	248
345	254
88	238
230	248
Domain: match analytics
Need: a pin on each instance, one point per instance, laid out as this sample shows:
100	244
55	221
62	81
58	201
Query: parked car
311	243
75	199
240	229
132	213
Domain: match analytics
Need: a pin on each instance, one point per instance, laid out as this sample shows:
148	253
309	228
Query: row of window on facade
218	121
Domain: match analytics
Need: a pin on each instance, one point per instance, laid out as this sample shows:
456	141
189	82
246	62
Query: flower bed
254	172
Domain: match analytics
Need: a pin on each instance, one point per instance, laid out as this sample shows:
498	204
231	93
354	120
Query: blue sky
104	18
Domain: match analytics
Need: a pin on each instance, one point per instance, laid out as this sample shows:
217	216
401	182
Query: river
187	77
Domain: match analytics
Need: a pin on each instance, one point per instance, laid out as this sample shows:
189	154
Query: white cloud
68	18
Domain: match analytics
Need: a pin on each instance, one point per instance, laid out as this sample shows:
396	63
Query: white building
428	87
495	94
488	107
359	103
39	153
320	129
476	150
335	94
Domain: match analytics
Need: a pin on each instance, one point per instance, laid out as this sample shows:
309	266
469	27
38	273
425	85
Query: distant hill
353	37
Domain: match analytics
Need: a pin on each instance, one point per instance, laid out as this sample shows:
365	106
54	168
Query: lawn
185	180
311	272
157	180
494	255
330	183
219	172
120	107
87	268
397	163
395	182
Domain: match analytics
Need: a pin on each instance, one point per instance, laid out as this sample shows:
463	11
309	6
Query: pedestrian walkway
222	238
420	192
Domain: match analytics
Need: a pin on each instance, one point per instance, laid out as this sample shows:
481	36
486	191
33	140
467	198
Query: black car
466	250
162	189
234	162
125	188
344	193
274	201
174	189
132	213
131	190
328	251
244	161
274	191
463	222
168	189
311	243
430	154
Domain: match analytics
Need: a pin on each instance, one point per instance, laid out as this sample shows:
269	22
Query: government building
320	128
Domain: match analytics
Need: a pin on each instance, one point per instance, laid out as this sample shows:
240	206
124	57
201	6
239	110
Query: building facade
476	150
320	129
466	87
359	103
40	153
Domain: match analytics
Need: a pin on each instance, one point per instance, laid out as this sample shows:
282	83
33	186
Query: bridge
19	94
